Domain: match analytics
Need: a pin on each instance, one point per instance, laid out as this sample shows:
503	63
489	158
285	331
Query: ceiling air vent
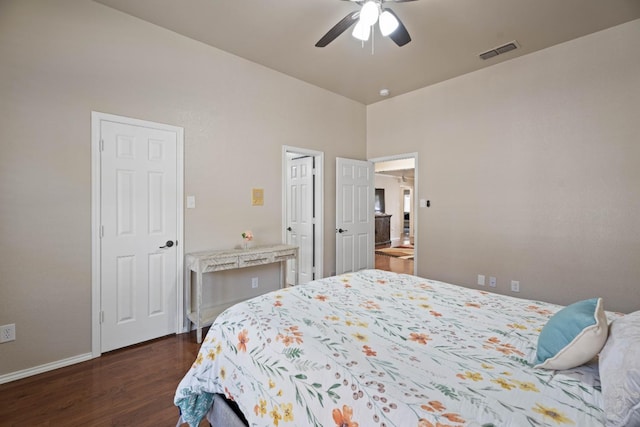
499	50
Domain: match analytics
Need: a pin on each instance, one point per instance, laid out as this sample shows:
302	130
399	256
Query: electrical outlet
481	279
492	281
8	333
515	286
254	282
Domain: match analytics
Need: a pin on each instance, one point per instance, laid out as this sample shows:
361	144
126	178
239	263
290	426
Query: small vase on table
247	236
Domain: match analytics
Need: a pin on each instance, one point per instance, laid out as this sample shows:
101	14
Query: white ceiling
447	35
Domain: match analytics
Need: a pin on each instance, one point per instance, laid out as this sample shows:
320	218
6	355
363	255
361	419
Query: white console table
211	261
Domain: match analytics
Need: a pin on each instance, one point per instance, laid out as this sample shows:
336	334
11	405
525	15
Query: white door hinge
101	231
101	144
101	317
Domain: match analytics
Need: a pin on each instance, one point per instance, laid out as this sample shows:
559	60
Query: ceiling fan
371	11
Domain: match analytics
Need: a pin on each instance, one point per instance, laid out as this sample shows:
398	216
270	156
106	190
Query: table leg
198	305
187	298
283	274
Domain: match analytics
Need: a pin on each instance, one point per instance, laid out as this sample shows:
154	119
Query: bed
375	348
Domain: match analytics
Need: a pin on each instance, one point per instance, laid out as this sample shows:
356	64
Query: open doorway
395	215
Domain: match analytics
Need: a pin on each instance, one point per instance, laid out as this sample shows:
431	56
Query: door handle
340	230
167	245
289	228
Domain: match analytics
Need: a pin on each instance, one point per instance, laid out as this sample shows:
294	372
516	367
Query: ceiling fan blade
338	29
400	36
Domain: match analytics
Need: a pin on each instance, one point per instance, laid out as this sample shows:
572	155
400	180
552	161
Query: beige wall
533	170
61	60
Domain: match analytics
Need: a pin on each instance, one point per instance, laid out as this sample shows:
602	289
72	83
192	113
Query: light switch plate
191	202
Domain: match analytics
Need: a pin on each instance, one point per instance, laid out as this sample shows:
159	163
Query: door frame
318	203
414	220
96	220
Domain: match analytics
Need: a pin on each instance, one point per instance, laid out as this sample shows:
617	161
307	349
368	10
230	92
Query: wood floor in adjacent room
397	265
129	387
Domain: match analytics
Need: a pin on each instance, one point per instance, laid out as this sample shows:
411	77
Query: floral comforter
375	348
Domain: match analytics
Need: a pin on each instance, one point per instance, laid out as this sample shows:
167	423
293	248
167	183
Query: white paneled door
300	195
138	210
354	215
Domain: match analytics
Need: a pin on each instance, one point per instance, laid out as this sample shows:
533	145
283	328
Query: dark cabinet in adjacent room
383	229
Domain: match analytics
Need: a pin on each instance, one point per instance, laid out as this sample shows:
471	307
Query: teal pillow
572	336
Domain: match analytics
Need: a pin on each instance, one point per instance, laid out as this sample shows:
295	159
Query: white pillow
572	336
620	372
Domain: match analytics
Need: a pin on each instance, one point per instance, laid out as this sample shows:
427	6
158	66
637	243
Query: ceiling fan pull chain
373	40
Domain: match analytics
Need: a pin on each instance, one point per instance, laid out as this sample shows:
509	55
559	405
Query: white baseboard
18	375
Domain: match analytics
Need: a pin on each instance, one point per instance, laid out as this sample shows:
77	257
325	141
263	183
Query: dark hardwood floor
133	386
129	387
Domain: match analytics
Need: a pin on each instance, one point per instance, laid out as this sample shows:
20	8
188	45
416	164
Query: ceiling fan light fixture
388	23
361	31
369	13
363	20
